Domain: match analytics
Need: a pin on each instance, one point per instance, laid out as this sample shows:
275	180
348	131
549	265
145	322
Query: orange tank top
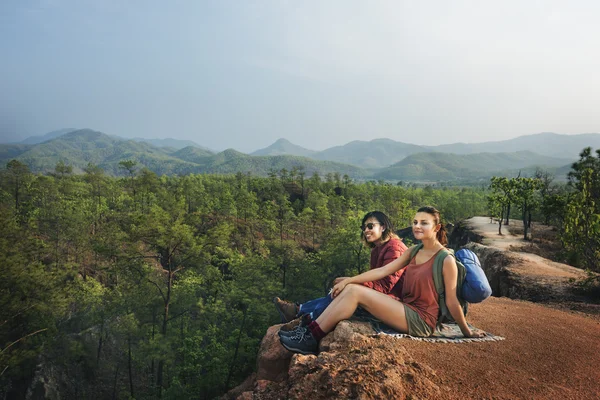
418	290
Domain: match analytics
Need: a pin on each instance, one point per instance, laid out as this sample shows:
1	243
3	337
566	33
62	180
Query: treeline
152	286
574	208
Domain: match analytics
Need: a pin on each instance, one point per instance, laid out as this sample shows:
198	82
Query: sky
242	74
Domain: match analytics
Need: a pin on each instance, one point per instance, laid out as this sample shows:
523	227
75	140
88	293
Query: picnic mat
448	333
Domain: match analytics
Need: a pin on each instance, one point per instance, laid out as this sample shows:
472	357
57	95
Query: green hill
193	154
284	147
231	161
78	148
450	167
547	144
10	151
376	153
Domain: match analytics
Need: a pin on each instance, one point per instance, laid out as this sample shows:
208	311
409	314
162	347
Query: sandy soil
547	354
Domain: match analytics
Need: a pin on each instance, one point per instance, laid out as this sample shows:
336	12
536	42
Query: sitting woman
386	246
417	311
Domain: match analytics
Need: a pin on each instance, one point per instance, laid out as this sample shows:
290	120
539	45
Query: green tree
503	192
17	179
524	196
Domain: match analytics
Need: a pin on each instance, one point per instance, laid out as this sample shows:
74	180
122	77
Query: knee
354	289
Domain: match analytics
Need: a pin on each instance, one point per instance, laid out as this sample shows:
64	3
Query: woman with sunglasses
417	311
386	246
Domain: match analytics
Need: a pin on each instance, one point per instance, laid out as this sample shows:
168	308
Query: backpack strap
438	281
414	250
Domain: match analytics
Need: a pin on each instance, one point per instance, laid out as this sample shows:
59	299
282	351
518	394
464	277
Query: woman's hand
475	333
338	287
338	280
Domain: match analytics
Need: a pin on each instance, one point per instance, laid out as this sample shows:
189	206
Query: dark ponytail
437	219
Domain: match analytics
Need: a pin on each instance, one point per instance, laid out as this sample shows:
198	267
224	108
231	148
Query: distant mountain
231	161
10	151
80	147
47	136
359	159
450	167
193	154
284	147
176	144
546	144
376	153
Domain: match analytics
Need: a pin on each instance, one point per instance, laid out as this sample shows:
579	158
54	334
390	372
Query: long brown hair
441	234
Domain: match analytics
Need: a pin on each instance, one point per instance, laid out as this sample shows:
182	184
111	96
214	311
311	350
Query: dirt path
532	265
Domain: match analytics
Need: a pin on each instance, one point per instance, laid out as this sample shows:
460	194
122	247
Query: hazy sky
242	74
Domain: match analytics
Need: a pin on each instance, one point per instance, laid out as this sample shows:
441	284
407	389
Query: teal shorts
416	325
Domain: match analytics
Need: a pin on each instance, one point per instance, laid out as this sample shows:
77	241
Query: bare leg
378	304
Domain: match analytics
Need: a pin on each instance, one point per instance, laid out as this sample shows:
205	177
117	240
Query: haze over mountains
383	159
380	153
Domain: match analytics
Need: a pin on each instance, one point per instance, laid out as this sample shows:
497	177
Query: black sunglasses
370	225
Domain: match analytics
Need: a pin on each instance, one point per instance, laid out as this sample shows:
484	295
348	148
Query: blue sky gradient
241	74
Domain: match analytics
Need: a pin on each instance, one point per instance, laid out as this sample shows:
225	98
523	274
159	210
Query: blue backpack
476	287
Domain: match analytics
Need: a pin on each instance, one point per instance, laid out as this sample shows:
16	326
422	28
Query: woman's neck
431	244
379	242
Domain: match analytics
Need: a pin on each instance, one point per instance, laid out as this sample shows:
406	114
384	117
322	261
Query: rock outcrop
352	364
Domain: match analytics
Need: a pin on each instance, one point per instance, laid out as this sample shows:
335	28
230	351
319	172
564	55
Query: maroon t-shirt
383	255
418	290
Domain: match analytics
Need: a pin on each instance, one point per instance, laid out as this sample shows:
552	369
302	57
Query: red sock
316	330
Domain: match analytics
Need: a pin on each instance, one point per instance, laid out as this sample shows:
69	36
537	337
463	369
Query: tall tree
524	195
17	176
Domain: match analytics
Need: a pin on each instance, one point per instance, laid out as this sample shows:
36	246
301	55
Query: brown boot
287	311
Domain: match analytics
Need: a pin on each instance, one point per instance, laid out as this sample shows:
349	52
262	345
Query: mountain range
379	153
379	159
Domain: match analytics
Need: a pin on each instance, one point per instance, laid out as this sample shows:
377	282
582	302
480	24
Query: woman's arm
450	274
374	274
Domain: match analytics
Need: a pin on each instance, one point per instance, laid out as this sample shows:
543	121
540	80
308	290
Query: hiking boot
297	330
302	342
287	311
303	320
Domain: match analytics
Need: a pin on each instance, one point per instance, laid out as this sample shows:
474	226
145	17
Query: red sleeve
393	250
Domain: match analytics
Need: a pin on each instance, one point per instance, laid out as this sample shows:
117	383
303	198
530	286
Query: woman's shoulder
395	243
449	259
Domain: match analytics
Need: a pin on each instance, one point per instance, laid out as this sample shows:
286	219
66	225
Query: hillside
176	144
284	147
78	148
441	166
192	154
81	147
376	153
380	159
47	136
546	144
381	153
230	161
